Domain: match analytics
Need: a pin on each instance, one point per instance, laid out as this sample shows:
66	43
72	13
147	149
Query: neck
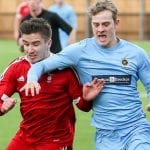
35	13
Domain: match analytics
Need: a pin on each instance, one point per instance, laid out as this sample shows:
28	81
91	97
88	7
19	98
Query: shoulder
86	43
18	61
77	47
51	16
15	66
132	47
51	13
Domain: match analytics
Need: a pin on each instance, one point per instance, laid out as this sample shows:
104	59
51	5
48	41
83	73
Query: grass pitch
84	138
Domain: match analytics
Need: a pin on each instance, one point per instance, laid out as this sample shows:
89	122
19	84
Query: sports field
9	123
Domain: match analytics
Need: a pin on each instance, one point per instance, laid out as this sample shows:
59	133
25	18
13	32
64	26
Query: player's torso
119	97
95	61
46	116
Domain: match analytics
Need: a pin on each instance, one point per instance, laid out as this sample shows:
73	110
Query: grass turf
84	138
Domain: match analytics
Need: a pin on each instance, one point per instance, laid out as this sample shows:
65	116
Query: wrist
1	112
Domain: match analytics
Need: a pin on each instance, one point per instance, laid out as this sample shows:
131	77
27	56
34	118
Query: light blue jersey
118	106
67	13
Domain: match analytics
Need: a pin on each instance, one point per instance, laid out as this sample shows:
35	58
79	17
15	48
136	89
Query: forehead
103	16
32	37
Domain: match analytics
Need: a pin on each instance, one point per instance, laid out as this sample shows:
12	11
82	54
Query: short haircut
102	5
36	25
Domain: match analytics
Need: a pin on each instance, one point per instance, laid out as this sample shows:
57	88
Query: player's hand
32	87
148	107
92	89
8	104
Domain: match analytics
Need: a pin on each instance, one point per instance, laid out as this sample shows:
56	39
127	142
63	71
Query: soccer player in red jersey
48	118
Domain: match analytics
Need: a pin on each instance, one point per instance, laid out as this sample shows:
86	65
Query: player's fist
8	104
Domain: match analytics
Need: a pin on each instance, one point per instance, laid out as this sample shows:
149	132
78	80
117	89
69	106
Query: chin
103	44
33	61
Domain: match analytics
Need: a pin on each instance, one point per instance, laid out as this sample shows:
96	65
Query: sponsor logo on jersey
115	79
21	79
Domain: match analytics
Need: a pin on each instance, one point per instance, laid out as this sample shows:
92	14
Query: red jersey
49	116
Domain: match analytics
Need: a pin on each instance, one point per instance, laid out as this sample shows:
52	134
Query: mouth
32	57
102	37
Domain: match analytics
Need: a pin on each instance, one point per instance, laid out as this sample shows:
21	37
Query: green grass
84	139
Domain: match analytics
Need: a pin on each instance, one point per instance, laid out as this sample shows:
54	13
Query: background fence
134	18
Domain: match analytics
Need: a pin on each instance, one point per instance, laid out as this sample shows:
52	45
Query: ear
49	42
117	22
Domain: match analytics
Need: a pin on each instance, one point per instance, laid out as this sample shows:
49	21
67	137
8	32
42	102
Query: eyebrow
31	42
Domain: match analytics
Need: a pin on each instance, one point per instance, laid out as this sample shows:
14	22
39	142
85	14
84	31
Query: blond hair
102	5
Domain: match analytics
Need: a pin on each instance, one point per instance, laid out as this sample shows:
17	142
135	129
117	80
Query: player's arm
7	88
7	105
62	24
68	29
90	91
144	74
67	57
83	95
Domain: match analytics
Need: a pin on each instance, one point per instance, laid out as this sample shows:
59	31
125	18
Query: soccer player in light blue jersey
66	12
117	111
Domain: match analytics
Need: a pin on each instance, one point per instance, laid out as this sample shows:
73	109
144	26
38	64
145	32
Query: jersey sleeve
68	57
75	91
144	71
7	83
62	24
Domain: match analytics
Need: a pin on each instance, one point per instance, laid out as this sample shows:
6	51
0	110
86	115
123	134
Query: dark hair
102	5
36	25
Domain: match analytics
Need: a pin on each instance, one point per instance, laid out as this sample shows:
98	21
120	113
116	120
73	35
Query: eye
106	24
95	24
36	43
25	44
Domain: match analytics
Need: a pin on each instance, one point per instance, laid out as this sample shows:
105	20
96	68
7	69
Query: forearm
83	104
49	64
40	68
1	113
7	105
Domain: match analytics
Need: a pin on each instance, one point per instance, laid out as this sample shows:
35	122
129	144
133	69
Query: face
34	5
36	48
104	28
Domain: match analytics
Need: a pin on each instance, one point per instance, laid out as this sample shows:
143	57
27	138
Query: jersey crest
125	62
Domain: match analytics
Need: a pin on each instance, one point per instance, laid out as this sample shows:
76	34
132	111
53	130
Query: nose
100	28
30	49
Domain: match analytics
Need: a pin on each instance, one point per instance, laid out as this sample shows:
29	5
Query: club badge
125	62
